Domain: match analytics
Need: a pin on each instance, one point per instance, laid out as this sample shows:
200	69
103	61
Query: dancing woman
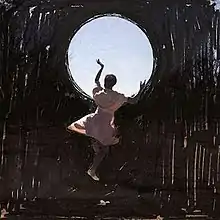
100	124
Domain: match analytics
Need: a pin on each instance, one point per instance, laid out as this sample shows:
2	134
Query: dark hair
109	81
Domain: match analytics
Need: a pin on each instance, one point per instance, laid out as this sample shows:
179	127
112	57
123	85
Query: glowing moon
120	44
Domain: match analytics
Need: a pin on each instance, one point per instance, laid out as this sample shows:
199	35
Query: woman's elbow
97	82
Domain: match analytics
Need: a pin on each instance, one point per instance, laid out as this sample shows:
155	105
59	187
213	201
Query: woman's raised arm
99	72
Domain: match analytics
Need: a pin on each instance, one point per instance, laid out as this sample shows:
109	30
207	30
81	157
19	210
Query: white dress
100	124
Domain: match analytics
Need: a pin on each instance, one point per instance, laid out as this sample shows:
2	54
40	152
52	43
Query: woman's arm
99	72
134	99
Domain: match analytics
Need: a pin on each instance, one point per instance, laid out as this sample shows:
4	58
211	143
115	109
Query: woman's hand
99	62
142	87
134	98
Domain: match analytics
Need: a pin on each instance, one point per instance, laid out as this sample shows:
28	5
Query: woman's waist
105	111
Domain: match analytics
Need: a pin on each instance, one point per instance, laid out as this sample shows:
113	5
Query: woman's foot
93	175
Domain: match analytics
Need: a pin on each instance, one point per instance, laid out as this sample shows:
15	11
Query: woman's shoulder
119	93
120	96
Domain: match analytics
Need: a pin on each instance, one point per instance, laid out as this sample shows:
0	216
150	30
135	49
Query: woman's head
109	81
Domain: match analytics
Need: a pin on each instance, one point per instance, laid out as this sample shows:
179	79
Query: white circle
121	45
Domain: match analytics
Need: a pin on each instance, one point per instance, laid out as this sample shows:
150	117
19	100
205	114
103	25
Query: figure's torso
108	100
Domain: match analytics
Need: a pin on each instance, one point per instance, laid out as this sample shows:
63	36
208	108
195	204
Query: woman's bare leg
100	153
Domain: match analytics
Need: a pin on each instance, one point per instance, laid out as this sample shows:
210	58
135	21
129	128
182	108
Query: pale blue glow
120	45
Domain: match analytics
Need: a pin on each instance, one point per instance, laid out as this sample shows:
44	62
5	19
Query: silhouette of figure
100	124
